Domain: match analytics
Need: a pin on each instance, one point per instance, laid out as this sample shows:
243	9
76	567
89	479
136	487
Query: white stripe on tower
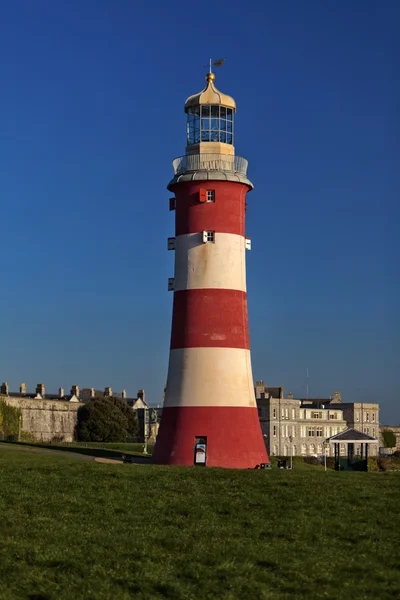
215	265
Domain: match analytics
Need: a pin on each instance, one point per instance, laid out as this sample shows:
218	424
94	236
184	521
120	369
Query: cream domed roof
210	95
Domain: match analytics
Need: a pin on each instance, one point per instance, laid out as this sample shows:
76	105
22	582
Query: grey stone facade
299	427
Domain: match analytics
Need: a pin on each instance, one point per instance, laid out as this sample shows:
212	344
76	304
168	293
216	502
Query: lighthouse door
200	451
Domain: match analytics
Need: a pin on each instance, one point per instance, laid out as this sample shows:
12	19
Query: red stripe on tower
210	415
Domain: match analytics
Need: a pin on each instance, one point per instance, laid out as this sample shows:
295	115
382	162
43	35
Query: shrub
9	420
312	460
106	420
389	439
383	463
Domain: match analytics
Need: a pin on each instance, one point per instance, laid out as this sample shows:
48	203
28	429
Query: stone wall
47	419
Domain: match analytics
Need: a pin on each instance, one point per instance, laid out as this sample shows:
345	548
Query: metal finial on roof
217	63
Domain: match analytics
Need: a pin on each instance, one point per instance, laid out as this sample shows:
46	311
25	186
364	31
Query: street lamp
291	451
325	446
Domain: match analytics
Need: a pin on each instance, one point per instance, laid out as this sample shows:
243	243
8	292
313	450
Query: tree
106	420
389	439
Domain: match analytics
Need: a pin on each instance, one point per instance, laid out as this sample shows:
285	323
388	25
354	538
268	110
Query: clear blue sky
92	115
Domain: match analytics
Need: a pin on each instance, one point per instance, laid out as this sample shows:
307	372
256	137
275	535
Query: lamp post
325	446
19	427
145	419
291	451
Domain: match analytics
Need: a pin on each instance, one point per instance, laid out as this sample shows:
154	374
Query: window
274	413
274	431
208	237
304	448
303	431
367	430
319	431
373	417
293	414
312	448
373	432
262	395
316	415
357	416
286	413
210	195
342	448
319	449
300	414
367	418
294	451
310	432
209	124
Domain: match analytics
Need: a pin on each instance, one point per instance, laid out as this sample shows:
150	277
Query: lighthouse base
233	436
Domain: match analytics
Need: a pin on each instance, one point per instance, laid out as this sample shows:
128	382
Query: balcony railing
210	162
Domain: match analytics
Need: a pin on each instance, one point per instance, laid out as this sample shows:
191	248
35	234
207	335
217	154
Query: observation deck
204	166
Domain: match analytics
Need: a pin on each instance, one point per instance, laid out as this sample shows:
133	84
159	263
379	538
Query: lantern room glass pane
215	124
214	112
210	124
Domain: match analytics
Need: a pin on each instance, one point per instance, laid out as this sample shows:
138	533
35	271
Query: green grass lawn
73	529
105	450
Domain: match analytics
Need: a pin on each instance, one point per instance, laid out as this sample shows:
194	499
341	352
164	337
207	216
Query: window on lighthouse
210	196
208	236
210	124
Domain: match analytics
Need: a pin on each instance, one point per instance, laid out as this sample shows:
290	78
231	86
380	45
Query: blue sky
92	115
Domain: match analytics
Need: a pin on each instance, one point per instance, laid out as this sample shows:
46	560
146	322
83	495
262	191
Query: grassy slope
106	450
83	530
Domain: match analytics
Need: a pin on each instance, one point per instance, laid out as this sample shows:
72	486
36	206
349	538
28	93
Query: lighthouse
210	416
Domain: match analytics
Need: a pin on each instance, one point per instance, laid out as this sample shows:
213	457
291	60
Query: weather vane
217	63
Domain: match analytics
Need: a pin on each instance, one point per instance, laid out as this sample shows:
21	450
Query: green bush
389	439
9	420
106	420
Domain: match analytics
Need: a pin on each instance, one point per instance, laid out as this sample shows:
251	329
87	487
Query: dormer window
208	123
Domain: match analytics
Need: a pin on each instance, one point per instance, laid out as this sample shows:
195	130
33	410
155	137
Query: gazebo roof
352	436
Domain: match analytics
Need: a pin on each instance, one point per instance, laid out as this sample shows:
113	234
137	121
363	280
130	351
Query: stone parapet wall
46	420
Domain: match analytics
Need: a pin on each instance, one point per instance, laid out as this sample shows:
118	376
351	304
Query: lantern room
210	121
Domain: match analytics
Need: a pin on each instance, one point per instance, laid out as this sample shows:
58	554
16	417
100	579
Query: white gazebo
351	438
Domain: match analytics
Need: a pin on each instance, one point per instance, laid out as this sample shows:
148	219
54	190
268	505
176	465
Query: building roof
352	435
210	95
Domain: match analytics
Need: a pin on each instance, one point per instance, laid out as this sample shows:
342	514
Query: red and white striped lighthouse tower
210	415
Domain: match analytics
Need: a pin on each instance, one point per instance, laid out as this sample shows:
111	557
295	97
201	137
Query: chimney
290	396
107	392
337	397
61	392
4	388
141	395
123	394
92	392
75	391
22	388
40	389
